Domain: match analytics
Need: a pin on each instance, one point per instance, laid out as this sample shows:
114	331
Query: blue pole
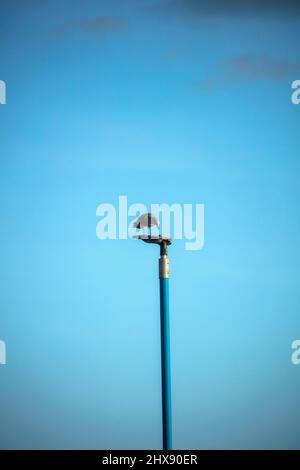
165	350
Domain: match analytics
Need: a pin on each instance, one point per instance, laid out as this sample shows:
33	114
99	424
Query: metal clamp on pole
164	265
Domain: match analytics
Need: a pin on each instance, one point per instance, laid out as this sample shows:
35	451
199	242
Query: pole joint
164	267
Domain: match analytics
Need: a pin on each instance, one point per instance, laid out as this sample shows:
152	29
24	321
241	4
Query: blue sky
178	101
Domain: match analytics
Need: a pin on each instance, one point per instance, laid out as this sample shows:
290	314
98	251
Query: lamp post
163	243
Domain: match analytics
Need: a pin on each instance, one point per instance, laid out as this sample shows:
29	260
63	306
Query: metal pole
163	243
165	347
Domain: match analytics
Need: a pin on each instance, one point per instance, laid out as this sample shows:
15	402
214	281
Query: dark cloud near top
246	69
103	24
261	67
99	25
173	54
196	9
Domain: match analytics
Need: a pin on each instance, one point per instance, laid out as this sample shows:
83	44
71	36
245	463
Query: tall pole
163	243
165	347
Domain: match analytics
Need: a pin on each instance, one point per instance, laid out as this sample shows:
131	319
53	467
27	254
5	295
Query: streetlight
163	243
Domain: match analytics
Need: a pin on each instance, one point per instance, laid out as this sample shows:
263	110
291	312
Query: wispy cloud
261	67
173	54
247	68
99	25
197	9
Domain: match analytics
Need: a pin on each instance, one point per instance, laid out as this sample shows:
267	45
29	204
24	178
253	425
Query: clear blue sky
178	101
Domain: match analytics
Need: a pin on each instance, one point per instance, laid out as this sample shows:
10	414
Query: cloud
261	67
173	54
198	9
99	25
248	68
